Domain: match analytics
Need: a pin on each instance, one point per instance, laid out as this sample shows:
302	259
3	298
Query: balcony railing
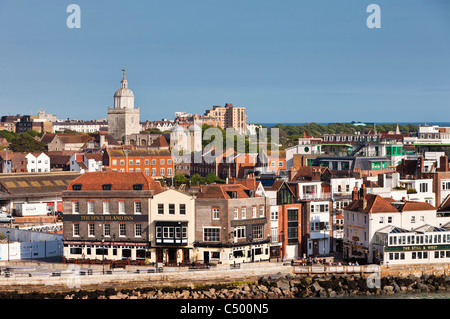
321	196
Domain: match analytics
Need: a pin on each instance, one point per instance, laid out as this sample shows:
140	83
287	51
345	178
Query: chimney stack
443	163
355	194
363	192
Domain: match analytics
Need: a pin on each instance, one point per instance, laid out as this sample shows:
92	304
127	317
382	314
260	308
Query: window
122	230
76	187
105	207
389	219
239	232
91	231
160	209
153	162
138	187
261	211
137	207
273	215
423	187
76	230
182	209
75	207
122	162
171	209
254	212
280	164
413	219
244	212
137	230
146	162
130	162
158	232
236	213
107	187
153	171
90	206
107	230
381	220
162	171
258	232
162	162
211	234
215	213
169	172
121	207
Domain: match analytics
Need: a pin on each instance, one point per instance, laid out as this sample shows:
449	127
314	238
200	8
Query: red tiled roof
375	204
378	204
221	191
93	181
160	141
413	206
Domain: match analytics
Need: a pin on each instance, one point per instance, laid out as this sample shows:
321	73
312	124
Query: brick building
229	116
155	163
106	215
231	225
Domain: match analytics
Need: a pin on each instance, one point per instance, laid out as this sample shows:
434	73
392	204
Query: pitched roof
445	205
374	204
414	206
94	181
250	183
35	184
160	141
75	138
222	191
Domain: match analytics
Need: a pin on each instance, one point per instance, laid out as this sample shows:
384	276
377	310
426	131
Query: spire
397	130
124	82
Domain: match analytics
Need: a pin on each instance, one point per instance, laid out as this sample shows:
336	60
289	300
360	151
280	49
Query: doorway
206	257
172	256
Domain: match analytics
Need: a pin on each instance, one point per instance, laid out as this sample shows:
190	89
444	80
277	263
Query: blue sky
286	61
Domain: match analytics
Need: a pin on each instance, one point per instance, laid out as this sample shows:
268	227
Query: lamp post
103	253
7	233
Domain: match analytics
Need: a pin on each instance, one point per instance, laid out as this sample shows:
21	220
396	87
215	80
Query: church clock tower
123	119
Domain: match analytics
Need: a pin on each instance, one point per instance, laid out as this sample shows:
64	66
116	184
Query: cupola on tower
123	119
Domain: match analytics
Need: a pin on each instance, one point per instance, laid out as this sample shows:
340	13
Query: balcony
321	196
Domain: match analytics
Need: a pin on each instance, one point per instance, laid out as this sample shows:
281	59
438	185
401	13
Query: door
186	256
206	257
159	255
172	256
315	247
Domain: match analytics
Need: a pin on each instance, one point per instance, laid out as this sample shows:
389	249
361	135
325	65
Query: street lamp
7	233
103	253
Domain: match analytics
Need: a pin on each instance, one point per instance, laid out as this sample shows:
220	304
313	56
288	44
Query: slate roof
34	184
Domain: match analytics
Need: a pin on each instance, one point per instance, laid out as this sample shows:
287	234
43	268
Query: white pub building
382	230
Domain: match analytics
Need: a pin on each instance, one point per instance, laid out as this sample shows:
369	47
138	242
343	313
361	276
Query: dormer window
138	187
107	187
76	187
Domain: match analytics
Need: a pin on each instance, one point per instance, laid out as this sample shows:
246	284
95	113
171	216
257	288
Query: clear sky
286	61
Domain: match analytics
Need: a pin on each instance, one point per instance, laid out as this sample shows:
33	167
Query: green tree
196	179
26	143
179	179
211	178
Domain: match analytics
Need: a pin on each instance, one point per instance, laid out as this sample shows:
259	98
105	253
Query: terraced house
106	215
231	225
155	163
